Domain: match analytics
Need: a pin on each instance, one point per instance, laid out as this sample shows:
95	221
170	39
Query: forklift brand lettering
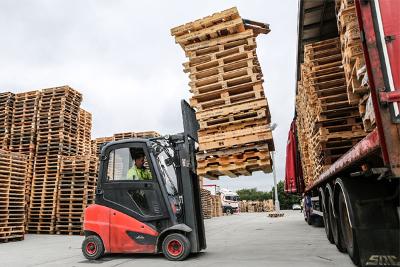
383	260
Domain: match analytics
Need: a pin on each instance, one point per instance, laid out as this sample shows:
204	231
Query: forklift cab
147	197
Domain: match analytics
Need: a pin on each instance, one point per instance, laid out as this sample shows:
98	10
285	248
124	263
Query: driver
138	170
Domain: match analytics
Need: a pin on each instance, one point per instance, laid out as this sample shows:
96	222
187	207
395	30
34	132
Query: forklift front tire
92	247
176	247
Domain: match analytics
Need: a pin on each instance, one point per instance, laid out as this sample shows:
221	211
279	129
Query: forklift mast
188	179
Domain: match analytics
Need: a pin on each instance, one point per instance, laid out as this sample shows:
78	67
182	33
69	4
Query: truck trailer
357	195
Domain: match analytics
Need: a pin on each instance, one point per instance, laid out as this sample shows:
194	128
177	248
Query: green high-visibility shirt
135	173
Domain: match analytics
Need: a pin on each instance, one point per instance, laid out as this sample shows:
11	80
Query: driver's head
139	160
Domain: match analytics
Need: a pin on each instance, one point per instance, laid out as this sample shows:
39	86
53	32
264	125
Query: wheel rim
174	247
91	248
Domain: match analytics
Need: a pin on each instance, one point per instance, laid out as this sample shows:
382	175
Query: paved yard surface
240	240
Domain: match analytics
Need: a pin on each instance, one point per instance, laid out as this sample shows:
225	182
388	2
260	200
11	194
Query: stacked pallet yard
13	169
353	60
84	132
6	109
256	206
57	125
206	203
227	87
23	132
328	125
76	190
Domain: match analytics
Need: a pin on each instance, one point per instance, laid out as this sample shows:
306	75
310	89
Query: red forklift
159	214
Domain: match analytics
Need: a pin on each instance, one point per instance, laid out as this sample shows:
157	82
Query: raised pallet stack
227	86
57	125
12	196
6	110
328	124
353	60
23	132
76	191
84	132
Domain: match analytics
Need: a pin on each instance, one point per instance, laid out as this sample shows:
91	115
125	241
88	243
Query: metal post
277	207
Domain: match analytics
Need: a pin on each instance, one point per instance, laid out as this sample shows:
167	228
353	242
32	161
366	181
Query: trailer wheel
325	210
176	247
348	233
337	238
92	247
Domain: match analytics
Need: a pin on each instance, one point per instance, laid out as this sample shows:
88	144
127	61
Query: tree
253	194
285	200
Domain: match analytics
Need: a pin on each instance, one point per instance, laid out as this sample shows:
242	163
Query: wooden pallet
220	95
236	170
220	68
232	109
250	41
220	59
206	22
236	118
224	28
232	159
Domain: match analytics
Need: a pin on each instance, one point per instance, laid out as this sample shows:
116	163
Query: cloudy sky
121	56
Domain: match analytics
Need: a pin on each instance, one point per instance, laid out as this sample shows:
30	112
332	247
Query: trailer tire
334	222
349	237
325	207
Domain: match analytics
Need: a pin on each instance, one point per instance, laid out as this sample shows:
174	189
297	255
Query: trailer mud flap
379	247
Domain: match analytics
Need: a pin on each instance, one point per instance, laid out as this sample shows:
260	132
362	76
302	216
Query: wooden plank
205	22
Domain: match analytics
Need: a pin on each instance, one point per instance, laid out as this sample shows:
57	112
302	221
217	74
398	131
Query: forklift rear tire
176	247
92	247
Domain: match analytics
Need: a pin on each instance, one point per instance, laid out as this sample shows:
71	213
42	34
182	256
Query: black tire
335	228
228	211
176	247
327	223
349	237
309	219
92	247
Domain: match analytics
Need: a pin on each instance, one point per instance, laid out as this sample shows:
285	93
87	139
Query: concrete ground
251	239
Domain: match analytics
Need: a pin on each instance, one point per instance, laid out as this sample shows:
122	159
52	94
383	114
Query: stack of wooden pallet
12	196
216	206
76	190
84	132
206	203
23	132
256	206
328	124
227	86
353	60
6	109
57	125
